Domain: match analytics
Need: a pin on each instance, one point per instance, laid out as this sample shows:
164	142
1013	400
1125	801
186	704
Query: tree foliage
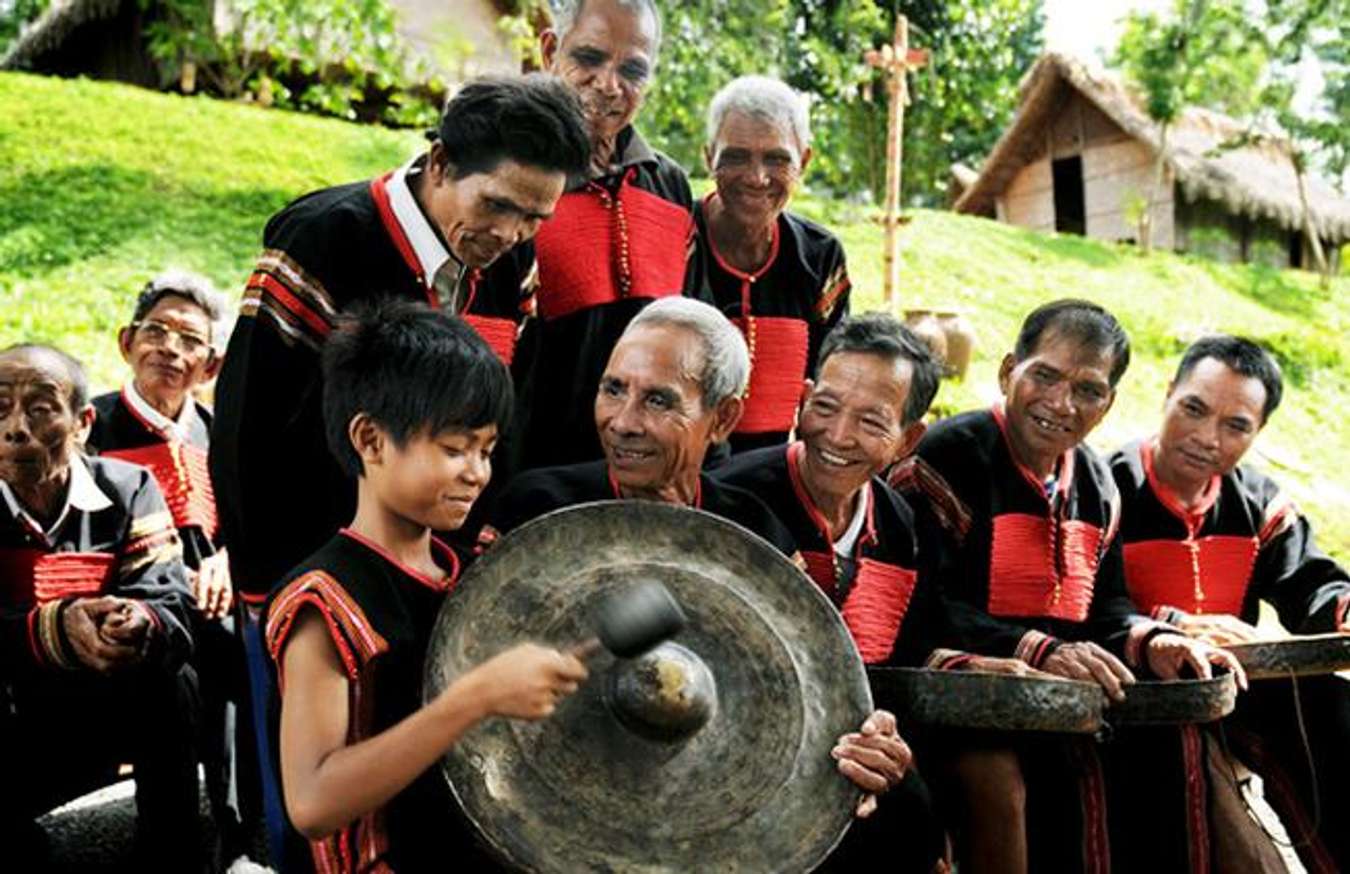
14	15
960	102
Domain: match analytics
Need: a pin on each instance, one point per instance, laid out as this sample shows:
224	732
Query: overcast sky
1090	27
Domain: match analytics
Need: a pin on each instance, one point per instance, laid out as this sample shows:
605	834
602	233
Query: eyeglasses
158	334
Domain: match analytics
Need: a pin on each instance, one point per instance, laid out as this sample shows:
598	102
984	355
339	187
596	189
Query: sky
1090	27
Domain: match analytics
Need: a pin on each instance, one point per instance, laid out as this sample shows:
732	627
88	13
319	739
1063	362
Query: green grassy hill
103	185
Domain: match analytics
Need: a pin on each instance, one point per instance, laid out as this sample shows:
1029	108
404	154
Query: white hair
195	288
763	98
566	13
726	360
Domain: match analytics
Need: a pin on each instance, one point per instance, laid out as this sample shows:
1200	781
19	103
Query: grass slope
103	185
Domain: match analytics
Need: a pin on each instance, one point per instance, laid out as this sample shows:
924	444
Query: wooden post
896	60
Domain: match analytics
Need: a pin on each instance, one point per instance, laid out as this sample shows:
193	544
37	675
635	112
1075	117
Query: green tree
1197	53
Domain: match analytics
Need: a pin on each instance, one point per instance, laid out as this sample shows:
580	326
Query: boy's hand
527	681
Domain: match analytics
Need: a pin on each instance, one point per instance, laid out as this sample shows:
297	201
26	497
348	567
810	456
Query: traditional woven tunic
1244	543
279	491
380	615
612	246
1025	567
874	583
784	309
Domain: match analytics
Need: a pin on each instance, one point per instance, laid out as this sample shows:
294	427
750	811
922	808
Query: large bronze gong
711	753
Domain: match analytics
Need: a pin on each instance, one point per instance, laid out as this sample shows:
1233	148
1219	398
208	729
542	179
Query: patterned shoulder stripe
1281	514
150	524
269	293
916	477
356	639
831	291
151	539
285	268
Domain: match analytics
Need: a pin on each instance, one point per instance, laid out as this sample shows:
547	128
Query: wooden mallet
633	620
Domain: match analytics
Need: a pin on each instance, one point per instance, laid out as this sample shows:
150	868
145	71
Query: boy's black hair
1079	320
1241	355
884	335
534	120
413	370
75	375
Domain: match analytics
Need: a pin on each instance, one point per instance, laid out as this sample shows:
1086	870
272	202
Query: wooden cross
896	60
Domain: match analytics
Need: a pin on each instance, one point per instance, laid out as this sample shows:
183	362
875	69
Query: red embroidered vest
1200	575
598	248
778	349
35	576
1026	578
181	471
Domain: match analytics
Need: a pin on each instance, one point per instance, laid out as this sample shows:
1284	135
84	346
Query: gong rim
986	700
1175	702
539	793
1302	656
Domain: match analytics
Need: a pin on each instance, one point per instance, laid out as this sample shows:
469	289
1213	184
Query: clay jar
926	327
960	334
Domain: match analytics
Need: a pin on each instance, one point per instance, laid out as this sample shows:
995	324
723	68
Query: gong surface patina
725	767
974	699
1175	702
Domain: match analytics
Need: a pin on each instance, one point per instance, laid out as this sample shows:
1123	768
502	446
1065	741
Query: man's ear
806	160
548	47
726	417
368	439
124	342
909	438
708	157
84	423
1005	373
212	369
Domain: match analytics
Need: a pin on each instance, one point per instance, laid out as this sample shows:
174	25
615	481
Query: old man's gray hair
726	360
194	288
566	13
765	99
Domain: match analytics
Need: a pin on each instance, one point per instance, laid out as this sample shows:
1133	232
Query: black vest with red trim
380	615
612	246
784	309
179	466
892	621
536	492
128	549
1243	543
1000	545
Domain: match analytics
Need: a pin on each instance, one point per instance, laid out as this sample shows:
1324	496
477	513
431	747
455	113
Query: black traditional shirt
784	309
612	246
1021	569
544	490
280	493
114	536
380	615
127	427
893	618
1245	542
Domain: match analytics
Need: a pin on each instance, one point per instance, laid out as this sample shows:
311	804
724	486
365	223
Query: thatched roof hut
1069	109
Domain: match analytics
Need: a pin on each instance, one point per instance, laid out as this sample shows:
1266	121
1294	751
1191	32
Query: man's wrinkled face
39	431
169	350
483	215
1055	397
649	408
1210	419
757	164
850	422
607	57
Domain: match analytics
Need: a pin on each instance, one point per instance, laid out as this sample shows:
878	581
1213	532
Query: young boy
94	629
413	404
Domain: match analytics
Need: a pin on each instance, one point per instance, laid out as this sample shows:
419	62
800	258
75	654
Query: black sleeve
150	571
279	491
1309	589
832	305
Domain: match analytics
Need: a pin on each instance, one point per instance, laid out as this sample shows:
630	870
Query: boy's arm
328	784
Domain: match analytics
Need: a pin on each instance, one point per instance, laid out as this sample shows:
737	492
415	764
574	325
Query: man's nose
628	418
1060	397
14	428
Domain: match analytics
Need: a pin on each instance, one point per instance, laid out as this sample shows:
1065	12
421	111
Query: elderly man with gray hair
621	236
671	389
781	278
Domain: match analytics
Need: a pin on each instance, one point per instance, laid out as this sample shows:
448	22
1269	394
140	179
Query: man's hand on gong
874	757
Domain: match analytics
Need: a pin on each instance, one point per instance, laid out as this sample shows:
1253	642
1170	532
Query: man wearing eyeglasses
171	345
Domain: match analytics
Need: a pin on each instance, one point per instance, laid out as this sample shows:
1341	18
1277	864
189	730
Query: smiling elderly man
94	628
779	277
1207	539
1019	521
621	236
670	390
